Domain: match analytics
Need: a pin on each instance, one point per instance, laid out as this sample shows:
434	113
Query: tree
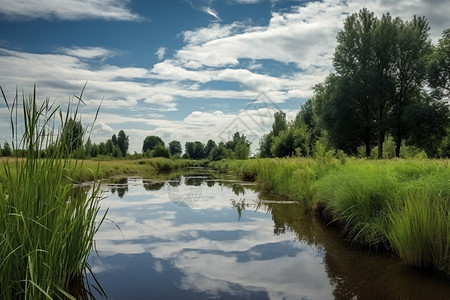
122	142
72	135
354	61
413	47
265	144
220	152
150	143
114	139
210	144
340	116
88	146
279	123
94	150
175	148
291	141
433	117
160	151
439	67
6	151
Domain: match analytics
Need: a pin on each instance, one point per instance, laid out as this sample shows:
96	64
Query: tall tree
210	144
354	61
439	67
175	148
279	123
72	134
412	48
123	142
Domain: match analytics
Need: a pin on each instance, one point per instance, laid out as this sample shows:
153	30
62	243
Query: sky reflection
202	249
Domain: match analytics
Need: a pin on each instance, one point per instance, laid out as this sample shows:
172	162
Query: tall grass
399	205
46	225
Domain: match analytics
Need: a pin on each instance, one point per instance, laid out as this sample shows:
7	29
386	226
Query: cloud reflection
212	251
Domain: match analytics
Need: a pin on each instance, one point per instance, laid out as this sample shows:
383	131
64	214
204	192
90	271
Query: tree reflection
153	186
356	273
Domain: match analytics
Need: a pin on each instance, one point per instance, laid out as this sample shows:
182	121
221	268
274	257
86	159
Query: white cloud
160	52
67	9
87	52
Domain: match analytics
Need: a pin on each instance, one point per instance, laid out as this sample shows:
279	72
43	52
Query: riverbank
399	205
85	170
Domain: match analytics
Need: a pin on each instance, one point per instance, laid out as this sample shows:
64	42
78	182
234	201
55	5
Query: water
199	238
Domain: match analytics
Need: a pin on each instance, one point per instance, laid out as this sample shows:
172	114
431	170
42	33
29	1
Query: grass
399	205
46	225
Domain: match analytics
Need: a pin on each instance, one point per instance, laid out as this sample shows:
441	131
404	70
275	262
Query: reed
46	225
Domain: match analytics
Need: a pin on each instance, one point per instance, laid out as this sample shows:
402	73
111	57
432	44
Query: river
196	237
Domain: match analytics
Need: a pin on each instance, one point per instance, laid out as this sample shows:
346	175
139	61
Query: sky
186	70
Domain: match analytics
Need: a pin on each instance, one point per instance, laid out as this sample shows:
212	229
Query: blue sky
181	69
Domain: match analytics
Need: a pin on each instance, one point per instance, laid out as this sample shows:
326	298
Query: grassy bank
400	205
83	171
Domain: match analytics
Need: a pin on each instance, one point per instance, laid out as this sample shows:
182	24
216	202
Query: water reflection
203	250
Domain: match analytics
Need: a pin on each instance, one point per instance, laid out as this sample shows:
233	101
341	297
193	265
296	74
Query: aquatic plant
46	225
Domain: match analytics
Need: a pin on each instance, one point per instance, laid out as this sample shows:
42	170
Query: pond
196	237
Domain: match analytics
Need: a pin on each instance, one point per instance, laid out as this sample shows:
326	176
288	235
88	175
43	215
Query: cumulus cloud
67	9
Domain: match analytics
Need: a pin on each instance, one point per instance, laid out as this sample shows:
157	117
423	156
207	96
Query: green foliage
160	151
47	225
150	143
195	150
400	205
439	67
289	140
6	151
72	134
123	143
279	123
175	148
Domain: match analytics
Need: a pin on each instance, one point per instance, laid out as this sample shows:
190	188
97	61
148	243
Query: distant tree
123	142
198	150
160	151
291	142
114	139
220	152
94	150
241	147
110	146
195	150
279	123
265	144
72	134
6	151
87	146
150	143
116	152
102	149
439	67
210	144
175	148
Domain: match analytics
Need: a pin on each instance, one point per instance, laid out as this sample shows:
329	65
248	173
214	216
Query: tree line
236	148
390	87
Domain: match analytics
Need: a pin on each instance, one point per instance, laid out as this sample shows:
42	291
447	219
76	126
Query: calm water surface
199	238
